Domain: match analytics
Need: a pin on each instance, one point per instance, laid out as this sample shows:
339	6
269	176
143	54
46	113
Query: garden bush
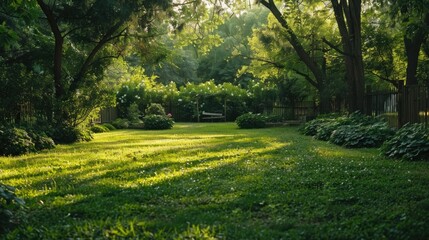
121	123
109	126
325	129
99	128
66	135
411	142
157	122
155	109
136	125
15	141
358	136
274	119
11	208
250	120
310	127
41	140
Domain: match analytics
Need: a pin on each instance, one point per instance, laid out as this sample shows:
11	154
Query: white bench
209	115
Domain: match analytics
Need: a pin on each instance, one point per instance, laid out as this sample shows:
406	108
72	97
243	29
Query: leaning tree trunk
319	75
59	91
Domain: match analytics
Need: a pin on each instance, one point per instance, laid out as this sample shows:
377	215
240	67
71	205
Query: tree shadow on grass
249	188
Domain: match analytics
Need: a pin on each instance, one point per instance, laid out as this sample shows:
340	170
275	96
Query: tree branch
307	77
275	64
393	82
331	45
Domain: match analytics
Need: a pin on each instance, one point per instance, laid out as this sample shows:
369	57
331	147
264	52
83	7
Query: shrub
250	120
11	208
310	128
325	129
136	125
109	126
274	119
121	123
157	122
358	136
41	140
15	141
411	142
99	128
155	109
67	135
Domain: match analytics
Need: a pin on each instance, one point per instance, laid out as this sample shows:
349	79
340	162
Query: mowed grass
208	181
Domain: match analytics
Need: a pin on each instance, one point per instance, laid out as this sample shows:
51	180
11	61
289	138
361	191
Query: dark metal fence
401	106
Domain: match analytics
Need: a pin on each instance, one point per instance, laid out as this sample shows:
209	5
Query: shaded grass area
216	181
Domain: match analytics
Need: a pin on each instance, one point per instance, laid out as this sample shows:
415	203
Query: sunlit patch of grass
213	180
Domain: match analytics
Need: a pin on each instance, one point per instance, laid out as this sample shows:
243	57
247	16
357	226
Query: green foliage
15	141
250	120
157	122
133	113
411	142
41	140
155	109
121	123
109	126
352	131
325	129
358	136
67	135
11	208
274	118
310	128
99	128
198	232
272	184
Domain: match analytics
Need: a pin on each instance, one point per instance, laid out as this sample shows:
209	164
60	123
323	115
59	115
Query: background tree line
68	58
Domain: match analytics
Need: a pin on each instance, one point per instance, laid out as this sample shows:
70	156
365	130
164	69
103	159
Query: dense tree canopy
61	56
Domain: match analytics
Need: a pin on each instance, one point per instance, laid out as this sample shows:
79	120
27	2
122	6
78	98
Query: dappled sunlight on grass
247	184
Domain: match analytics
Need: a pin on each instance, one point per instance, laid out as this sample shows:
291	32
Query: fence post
368	105
401	104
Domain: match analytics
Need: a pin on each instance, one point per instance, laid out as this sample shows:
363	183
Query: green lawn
214	180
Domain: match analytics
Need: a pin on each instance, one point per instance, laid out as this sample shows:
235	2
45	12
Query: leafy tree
295	33
348	16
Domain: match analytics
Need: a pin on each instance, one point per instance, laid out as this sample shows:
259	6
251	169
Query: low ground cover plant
411	142
354	131
11	209
357	136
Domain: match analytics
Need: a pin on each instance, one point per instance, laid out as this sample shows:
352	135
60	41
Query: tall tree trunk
348	17
316	70
57	64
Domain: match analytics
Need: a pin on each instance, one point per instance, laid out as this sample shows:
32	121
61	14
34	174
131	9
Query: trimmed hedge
157	122
250	120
